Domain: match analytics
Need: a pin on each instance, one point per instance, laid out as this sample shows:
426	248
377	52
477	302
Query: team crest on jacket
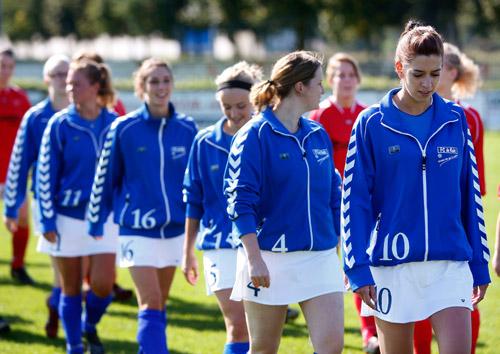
178	152
446	153
321	155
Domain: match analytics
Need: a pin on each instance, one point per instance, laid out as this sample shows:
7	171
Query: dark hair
97	73
295	67
7	52
418	39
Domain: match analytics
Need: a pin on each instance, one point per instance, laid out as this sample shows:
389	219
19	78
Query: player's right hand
50	236
10	224
368	295
496	263
190	268
258	272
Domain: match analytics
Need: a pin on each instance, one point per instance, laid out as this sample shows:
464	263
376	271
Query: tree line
355	21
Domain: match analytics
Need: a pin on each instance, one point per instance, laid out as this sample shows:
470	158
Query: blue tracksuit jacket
24	156
404	201
203	188
283	186
140	175
68	156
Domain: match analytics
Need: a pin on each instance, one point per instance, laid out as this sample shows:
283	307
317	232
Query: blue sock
95	307
151	332
70	311
54	297
236	348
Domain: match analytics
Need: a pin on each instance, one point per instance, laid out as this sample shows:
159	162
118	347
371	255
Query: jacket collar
304	123
74	116
146	114
391	117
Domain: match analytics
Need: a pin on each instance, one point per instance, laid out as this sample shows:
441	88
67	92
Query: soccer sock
70	311
95	307
151	332
54	297
19	245
236	348
422	337
368	328
475	319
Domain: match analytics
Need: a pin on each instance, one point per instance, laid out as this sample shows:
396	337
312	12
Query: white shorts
294	276
220	269
140	251
74	241
414	291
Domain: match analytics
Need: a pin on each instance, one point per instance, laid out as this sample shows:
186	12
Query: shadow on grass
28	264
47	287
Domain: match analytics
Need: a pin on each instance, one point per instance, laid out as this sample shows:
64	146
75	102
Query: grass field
195	324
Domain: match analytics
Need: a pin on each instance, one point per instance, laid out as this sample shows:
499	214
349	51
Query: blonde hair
241	71
468	77
299	66
334	64
53	62
97	73
144	71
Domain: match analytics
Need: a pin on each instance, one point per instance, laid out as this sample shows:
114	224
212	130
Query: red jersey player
337	115
13	104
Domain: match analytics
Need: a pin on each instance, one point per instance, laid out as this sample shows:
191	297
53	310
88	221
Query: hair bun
412	24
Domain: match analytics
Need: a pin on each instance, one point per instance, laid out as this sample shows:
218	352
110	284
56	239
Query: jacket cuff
10	212
194	211
480	273
359	277
244	224
48	225
96	229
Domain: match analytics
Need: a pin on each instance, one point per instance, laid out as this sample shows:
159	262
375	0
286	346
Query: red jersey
338	122
477	132
119	108
13	104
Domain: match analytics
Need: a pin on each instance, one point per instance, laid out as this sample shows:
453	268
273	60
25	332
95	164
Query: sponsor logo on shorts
321	155
446	154
178	152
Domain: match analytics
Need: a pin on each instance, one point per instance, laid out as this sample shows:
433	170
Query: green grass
195	324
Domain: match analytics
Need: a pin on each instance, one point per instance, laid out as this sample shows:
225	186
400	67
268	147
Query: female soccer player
70	148
23	161
13	104
459	80
337	115
287	224
206	202
413	229
140	175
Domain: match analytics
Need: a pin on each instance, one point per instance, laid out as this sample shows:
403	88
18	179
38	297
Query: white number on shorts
144	222
71	198
280	246
394	248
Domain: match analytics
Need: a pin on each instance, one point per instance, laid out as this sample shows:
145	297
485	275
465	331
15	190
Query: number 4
280	246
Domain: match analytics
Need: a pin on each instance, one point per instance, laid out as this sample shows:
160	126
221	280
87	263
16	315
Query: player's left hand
496	263
478	294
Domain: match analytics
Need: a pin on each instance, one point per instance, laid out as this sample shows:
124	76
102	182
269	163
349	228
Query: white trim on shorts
74	241
219	267
414	291
141	251
294	276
